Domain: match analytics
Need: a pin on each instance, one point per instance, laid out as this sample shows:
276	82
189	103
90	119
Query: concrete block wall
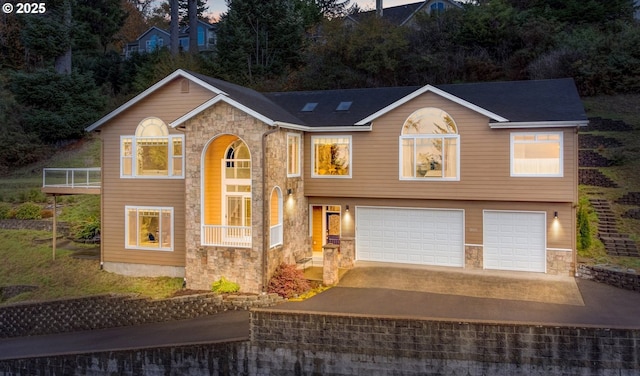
109	311
610	275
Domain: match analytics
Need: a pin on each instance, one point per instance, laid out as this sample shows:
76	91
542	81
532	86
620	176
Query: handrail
72	177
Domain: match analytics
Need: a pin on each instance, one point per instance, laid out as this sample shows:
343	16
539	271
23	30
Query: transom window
293	154
536	154
331	156
429	146
152	152
149	228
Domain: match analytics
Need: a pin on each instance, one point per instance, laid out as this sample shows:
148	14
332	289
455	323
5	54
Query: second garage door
515	241
410	235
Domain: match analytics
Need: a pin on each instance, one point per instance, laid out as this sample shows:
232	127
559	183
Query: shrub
87	229
288	281
5	210
46	213
223	286
584	229
28	210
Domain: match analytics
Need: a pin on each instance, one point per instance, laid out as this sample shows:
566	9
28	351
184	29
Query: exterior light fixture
289	191
347	207
555	215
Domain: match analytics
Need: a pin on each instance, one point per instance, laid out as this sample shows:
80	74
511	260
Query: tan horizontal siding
167	103
484	163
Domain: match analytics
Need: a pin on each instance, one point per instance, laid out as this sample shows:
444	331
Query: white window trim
416	136
536	134
126	227
313	158
134	161
276	237
295	135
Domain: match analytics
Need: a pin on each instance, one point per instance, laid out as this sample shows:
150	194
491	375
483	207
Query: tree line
61	70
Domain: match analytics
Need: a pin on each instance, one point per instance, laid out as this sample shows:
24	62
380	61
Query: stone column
330	265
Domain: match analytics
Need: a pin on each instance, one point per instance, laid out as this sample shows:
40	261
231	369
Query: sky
217	7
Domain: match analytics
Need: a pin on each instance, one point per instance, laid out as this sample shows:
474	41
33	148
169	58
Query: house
202	178
155	38
404	15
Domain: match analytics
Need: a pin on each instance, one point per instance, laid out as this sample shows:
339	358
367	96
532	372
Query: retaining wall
288	343
34	224
110	311
610	275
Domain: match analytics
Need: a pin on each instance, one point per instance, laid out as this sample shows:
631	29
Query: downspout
265	217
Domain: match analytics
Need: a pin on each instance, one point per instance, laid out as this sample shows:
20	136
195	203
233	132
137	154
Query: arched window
429	146
276	218
152	151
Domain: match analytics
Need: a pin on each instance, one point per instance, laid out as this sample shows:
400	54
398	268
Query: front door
325	225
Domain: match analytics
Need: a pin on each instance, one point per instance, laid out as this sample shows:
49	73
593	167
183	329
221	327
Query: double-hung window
331	156
152	152
536	154
293	154
149	228
429	146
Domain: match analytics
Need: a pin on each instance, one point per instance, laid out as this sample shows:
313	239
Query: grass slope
28	260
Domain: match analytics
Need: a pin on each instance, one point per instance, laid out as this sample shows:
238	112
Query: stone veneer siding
473	257
206	264
560	263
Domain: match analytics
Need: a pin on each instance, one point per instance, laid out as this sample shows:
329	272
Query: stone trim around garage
610	275
110	311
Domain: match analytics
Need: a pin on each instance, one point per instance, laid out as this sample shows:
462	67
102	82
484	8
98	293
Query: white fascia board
342	128
540	124
435	90
221	98
150	90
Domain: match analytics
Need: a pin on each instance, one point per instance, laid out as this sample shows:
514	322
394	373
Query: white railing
276	237
226	236
71	177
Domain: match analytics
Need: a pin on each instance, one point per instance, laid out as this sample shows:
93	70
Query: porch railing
276	235
71	177
226	236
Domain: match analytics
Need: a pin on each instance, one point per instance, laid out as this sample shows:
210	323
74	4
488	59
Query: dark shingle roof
524	101
395	15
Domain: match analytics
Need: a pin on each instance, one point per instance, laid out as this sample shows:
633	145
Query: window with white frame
429	146
149	228
331	156
152	152
536	154
293	154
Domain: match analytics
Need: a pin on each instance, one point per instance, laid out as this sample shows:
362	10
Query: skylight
344	106
309	107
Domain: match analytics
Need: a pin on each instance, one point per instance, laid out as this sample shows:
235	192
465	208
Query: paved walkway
378	291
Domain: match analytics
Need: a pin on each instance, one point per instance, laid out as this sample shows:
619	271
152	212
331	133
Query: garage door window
536	154
429	146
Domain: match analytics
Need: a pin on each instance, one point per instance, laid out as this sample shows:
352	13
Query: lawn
28	260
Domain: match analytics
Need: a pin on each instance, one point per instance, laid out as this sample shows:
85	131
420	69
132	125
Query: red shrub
287	281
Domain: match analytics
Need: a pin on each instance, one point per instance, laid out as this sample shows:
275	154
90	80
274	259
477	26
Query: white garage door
412	236
515	241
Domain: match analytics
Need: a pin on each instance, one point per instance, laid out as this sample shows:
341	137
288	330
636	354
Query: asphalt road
223	327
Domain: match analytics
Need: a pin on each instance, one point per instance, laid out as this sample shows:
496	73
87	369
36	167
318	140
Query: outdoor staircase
615	244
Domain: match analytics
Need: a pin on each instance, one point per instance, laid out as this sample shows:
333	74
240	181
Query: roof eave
435	90
144	94
326	128
539	124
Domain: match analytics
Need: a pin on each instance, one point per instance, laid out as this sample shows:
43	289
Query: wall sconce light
555	215
289	191
347	208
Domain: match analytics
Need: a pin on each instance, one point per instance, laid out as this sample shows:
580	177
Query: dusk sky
216	7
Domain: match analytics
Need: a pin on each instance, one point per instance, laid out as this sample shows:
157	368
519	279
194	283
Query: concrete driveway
375	289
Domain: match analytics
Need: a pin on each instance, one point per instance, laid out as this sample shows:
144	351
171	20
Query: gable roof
506	104
400	14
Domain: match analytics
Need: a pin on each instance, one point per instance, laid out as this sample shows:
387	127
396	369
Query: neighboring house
404	15
155	38
203	178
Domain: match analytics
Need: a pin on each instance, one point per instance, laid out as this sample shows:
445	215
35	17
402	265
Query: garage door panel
413	235
515	241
